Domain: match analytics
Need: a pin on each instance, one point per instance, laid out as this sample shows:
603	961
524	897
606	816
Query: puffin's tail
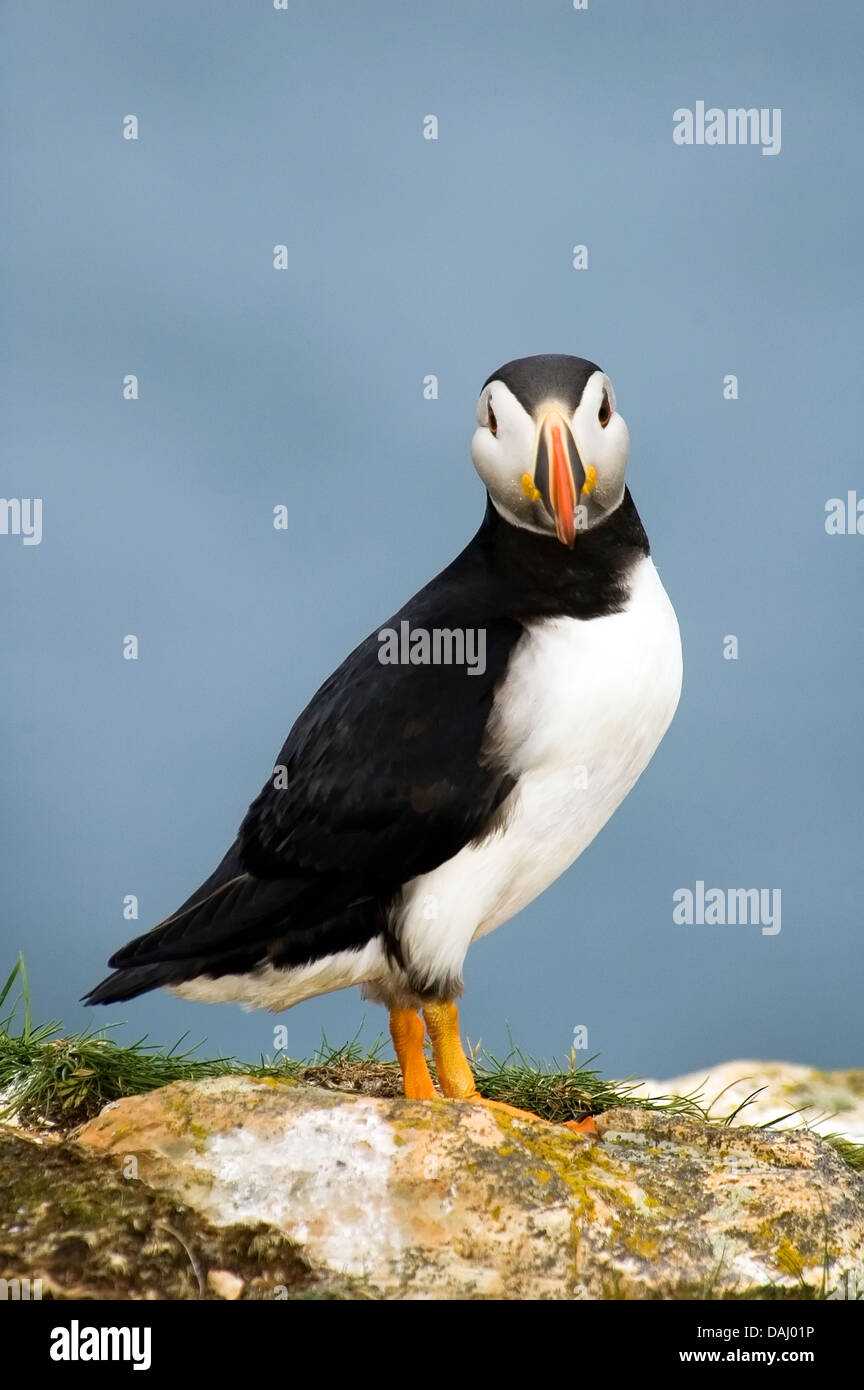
128	984
222	928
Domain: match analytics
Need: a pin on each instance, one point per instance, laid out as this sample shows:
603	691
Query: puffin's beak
558	474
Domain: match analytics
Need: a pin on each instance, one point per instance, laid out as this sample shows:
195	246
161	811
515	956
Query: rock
828	1102
225	1284
76	1228
447	1200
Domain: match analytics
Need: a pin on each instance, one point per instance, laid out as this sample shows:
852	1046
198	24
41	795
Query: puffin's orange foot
503	1109
583	1127
454	1071
586	1126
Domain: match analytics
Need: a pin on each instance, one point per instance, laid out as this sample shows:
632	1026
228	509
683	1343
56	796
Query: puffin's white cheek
480	452
477	451
622	440
613	450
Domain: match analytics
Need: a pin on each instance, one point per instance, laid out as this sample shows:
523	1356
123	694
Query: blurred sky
304	387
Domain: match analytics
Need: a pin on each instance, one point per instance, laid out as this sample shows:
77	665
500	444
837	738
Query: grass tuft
47	1078
559	1093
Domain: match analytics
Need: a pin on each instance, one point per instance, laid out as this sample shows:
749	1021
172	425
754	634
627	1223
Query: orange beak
558	474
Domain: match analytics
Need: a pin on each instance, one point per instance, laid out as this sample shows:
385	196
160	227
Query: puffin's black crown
534	380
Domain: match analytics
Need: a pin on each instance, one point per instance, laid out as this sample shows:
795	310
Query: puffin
461	758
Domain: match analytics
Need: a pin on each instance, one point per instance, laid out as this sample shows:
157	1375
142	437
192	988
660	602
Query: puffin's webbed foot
455	1076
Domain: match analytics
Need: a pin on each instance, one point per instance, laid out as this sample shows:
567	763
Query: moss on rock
74	1222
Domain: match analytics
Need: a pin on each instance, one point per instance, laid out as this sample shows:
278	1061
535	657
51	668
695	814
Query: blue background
304	387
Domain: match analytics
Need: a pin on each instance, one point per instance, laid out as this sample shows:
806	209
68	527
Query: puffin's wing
386	774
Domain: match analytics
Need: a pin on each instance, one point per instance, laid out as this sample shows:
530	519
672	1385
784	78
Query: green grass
853	1154
565	1093
49	1078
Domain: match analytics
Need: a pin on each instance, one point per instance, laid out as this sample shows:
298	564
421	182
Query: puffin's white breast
581	710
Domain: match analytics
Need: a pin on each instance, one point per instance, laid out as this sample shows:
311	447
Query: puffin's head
550	445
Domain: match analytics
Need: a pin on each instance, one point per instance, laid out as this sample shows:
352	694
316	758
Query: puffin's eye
490	418
604	415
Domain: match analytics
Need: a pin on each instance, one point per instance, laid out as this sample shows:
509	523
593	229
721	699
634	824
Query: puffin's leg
455	1076
407	1032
